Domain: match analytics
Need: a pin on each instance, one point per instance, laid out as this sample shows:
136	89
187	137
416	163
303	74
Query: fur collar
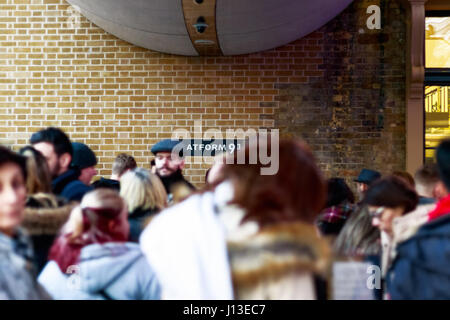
277	250
47	214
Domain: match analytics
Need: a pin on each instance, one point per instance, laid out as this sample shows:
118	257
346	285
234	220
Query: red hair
87	225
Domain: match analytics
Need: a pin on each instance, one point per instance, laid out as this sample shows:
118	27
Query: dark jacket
68	186
45	214
137	220
106	183
425	200
421	269
177	178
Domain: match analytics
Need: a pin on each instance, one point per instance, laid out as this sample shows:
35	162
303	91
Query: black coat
68	186
174	179
137	220
106	183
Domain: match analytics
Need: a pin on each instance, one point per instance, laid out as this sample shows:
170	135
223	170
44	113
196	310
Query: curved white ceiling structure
238	26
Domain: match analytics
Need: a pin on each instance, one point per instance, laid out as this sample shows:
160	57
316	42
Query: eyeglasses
377	212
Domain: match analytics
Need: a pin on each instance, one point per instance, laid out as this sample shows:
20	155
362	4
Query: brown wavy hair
39	178
297	192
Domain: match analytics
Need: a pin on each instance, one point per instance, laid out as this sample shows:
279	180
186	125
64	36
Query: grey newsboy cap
165	145
368	176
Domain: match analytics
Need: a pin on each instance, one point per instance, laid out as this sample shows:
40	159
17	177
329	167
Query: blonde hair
142	189
101	198
38	173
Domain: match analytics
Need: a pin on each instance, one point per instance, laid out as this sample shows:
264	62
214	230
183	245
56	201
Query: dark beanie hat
83	156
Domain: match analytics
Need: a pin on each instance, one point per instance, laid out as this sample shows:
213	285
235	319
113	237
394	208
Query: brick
116	96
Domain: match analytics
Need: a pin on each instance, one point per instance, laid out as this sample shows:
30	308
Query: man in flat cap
168	167
365	179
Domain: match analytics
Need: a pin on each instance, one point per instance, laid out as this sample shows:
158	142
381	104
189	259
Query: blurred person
358	237
17	274
429	185
360	241
91	258
57	149
405	176
421	267
387	199
215	173
339	206
145	196
122	164
168	168
369	232
45	213
84	159
429	188
227	238
365	178
55	146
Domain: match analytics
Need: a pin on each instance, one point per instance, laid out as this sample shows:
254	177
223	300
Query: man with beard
168	167
57	149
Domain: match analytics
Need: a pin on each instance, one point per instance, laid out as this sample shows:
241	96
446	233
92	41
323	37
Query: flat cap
368	176
165	145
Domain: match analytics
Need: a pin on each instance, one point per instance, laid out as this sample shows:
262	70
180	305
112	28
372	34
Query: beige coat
278	262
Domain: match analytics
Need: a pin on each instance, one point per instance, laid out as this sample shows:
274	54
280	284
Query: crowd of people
150	234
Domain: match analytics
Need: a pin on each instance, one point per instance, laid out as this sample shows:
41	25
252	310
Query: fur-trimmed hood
277	251
45	214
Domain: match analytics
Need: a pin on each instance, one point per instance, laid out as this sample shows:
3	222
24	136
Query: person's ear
64	160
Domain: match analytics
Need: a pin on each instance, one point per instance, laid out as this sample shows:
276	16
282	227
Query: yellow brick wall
116	97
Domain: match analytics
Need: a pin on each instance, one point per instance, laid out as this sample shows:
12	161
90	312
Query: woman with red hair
91	258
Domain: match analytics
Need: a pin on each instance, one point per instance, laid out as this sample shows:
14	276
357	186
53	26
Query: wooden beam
415	141
198	13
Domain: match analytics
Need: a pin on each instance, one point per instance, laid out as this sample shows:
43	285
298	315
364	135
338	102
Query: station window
437	81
